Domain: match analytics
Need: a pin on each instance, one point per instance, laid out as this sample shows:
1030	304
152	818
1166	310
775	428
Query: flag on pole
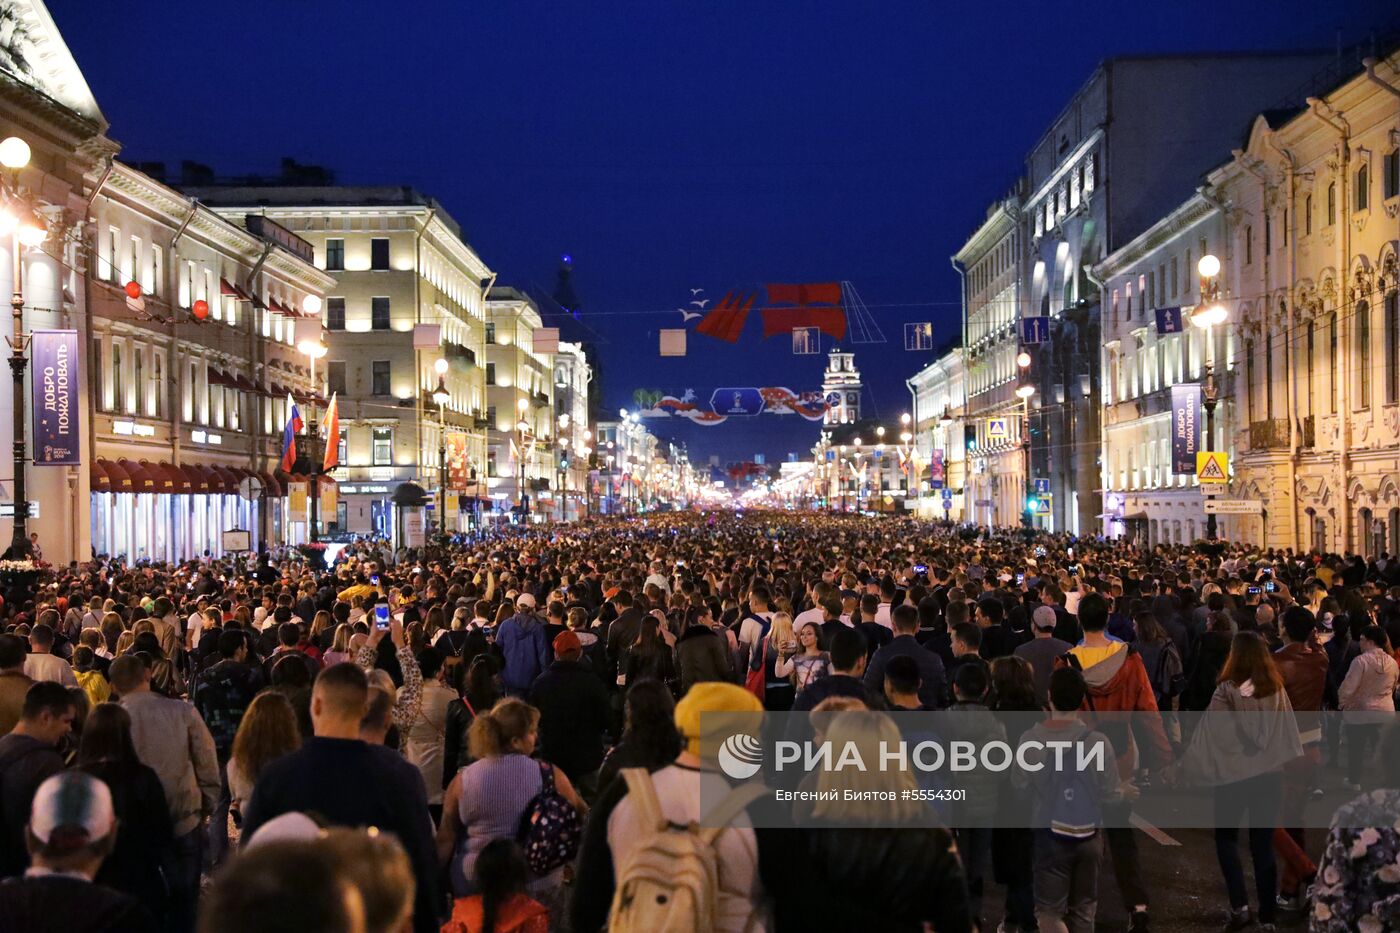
289	435
332	459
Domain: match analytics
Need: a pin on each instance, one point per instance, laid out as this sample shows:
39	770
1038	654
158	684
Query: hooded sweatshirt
1117	683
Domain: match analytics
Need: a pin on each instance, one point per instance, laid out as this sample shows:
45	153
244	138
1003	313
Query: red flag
726	320
332	458
809	293
831	321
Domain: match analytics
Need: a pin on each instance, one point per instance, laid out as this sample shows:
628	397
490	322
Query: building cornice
1066	164
1000	222
1183	218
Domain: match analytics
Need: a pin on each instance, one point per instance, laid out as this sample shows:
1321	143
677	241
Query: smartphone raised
381	616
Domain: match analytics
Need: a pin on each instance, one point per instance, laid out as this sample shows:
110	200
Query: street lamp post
1208	313
314	350
1024	390
14	155
441	397
523	427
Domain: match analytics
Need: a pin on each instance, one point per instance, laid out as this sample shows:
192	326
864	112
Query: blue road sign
1035	330
733	401
947	494
1042	486
1168	320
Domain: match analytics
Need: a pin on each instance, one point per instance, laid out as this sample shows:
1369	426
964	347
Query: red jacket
1119	684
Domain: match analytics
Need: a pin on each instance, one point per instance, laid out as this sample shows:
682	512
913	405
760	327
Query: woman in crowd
268	731
649	737
809	664
144	832
1366	694
496	788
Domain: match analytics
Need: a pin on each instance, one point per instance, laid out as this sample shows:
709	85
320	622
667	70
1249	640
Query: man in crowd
906	625
522	644
14	682
42	663
1043	650
28	757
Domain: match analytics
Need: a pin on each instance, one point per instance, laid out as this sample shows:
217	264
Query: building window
156	286
1285	226
382	452
114	255
1248	244
490	374
97	385
491	463
1333	361
1392	347
138	379
379	253
1363	187
335	255
379	382
118	386
1174	274
1269	374
1307	215
1391	166
1331	204
335	314
1249	380
342	447
1268	235
335	376
1363	354
379	313
490	332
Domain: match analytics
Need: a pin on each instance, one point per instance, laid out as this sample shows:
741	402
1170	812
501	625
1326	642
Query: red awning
121	482
194	475
98	477
229	479
244	383
270	485
179	482
141	479
165	483
276	306
217	377
230	290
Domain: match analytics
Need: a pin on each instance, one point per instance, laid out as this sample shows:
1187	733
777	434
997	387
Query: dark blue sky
666	146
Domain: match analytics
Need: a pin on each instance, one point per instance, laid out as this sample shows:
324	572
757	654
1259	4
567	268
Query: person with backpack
1165	671
1067	808
645	864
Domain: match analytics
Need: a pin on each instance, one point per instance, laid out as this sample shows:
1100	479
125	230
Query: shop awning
270	485
120	480
98	477
179	483
165	483
229	479
217	377
276	306
244	383
141	479
230	290
196	477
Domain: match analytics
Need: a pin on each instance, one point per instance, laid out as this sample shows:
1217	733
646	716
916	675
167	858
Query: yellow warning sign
997	429
1212	466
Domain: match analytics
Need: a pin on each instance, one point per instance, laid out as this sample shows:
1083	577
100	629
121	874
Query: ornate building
841	384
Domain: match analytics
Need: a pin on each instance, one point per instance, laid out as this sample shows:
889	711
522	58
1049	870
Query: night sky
665	146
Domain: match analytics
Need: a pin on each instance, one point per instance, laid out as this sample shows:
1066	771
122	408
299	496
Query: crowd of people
503	733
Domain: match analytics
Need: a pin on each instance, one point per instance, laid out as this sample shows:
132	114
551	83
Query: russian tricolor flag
289	435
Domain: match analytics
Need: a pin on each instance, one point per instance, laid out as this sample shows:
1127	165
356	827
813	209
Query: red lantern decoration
133	289
200	309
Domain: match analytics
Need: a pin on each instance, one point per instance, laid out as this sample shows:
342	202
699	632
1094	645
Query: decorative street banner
328	502
732	402
296	502
56	410
935	469
1186	426
458	466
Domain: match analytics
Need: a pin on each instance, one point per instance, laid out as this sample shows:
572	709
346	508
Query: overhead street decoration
731	402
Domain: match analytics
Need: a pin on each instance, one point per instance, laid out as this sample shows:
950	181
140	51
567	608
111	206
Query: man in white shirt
821	591
755	624
42	664
658	579
882	613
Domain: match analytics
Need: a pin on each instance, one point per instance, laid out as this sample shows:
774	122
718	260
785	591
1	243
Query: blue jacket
521	640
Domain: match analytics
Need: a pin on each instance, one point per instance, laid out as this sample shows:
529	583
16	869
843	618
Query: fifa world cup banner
1186	426
56	405
458	466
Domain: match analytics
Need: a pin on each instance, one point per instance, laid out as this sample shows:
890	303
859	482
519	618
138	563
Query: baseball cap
567	643
1044	618
72	810
525	600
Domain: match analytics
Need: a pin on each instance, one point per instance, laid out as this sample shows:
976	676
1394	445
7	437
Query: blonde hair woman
493	792
778	646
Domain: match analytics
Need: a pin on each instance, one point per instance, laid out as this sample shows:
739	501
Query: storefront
142	510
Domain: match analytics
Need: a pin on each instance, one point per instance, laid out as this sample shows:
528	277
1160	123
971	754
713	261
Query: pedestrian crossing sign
1042	505
997	429
1212	466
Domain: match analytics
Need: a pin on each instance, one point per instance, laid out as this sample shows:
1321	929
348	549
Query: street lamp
314	349
440	398
523	427
1208	313
25	229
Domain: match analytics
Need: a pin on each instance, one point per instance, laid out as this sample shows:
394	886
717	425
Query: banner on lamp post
56	409
296	502
1186	426
458	465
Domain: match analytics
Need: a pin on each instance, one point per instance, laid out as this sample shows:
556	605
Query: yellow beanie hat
710	696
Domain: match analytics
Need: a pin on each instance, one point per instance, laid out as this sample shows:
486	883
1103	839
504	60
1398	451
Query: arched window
1249	380
1363	187
1307	215
118	389
1331	204
138	379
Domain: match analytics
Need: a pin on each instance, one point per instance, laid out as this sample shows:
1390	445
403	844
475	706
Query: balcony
541	399
455	351
1309	432
1267	434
